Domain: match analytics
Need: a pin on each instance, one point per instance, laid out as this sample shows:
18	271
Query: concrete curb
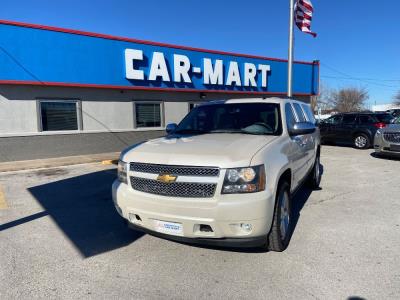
104	158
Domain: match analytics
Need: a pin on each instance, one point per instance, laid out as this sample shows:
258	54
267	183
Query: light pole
290	54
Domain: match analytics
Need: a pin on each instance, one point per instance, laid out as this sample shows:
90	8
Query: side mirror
171	128
301	128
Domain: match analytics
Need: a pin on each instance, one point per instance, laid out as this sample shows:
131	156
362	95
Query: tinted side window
349	119
299	112
384	118
366	119
308	112
290	119
335	120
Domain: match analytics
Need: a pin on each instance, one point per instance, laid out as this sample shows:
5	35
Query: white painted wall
106	115
103	110
175	111
17	116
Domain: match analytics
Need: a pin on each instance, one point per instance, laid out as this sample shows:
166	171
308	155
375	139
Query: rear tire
281	230
314	178
361	141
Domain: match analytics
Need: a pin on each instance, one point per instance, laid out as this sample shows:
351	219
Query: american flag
303	16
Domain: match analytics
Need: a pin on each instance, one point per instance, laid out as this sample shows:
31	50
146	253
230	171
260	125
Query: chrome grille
174	189
174	170
392	137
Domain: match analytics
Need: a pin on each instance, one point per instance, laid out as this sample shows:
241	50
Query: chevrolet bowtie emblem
166	178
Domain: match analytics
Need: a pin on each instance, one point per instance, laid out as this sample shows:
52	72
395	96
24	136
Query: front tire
314	178
281	230
361	141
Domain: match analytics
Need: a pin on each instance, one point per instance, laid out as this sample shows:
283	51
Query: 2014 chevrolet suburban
224	176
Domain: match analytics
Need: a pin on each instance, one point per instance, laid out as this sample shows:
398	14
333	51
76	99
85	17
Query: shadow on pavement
83	209
385	156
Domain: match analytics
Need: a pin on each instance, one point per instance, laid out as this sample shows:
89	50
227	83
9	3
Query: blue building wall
36	55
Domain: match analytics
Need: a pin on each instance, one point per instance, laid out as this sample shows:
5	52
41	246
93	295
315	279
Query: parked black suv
357	129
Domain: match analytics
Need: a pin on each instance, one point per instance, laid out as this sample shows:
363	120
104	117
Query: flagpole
290	55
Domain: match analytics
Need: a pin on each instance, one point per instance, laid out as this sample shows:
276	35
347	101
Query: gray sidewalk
106	158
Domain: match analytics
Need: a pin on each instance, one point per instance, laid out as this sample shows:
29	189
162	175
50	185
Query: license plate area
171	228
395	148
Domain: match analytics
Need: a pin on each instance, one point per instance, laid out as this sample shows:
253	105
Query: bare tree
324	99
349	99
397	98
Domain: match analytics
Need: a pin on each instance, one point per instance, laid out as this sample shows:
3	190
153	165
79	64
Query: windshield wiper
238	131
189	131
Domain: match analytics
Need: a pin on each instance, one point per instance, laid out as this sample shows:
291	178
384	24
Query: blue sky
356	39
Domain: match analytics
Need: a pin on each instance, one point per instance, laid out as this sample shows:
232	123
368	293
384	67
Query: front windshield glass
245	118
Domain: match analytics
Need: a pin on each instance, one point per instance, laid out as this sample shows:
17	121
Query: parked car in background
387	140
394	112
357	129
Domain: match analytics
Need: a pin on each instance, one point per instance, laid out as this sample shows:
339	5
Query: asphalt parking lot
60	237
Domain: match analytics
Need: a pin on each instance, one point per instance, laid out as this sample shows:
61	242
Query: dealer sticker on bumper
168	227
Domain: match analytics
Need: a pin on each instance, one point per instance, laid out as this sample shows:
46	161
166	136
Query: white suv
224	176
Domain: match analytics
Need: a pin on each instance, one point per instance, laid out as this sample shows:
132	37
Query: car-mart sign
211	72
41	55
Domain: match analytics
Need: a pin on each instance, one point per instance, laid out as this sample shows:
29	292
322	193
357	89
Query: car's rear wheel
361	141
281	230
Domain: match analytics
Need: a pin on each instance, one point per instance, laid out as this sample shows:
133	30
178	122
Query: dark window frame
162	114
334	116
355	119
369	116
78	106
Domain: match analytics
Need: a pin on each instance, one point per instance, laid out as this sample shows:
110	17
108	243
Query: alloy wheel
285	215
360	141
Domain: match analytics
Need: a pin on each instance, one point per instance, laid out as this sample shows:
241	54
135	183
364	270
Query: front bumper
247	242
222	213
382	147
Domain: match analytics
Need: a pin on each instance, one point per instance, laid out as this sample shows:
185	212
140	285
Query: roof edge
145	42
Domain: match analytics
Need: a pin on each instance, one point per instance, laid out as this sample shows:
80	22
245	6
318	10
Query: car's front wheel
314	178
361	141
279	236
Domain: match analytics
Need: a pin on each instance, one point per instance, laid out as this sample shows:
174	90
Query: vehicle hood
391	128
219	149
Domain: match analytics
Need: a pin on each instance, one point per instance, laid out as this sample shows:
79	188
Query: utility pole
290	56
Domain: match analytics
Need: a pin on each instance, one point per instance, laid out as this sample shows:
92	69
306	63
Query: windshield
246	118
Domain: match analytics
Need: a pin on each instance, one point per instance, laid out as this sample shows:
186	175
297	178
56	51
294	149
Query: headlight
123	171
244	180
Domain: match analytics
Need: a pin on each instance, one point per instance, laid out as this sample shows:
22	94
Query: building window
59	115
148	115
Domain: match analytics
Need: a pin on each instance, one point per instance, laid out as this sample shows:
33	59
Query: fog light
246	227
